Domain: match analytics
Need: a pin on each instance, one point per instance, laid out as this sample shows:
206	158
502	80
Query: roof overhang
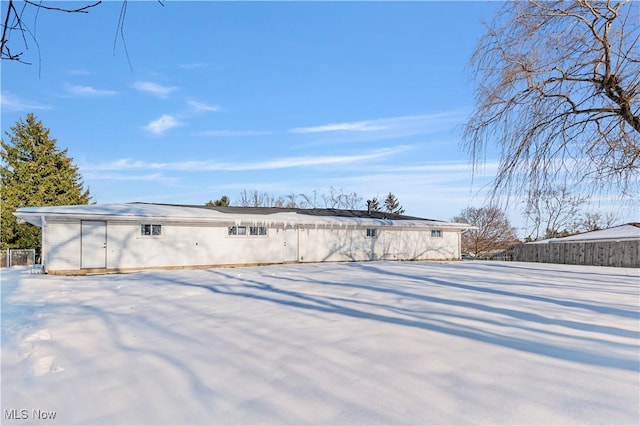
272	216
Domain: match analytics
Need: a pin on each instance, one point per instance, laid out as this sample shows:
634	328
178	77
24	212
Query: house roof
628	231
269	215
310	212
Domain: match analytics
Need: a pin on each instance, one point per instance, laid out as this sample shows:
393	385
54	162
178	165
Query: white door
290	249
94	244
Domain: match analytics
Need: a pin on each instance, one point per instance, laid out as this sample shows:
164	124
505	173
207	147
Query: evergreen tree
392	205
222	202
34	172
373	205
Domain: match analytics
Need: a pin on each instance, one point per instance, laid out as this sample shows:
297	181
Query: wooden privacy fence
598	253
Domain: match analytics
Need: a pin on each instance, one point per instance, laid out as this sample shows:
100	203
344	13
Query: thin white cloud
442	167
231	133
153	177
192	66
324	160
357	126
79	72
274	164
13	103
154	89
163	124
89	91
203	107
384	128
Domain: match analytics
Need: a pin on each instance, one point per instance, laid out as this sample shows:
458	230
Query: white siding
418	244
188	245
62	245
201	244
338	244
318	245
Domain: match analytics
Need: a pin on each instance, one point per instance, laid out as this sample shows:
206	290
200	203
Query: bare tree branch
83	9
559	92
14	21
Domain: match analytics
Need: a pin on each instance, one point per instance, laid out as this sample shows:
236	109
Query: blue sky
283	97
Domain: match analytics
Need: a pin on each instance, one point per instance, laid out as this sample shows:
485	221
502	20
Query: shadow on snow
256	290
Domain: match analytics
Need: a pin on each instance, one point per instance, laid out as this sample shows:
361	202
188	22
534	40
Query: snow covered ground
349	343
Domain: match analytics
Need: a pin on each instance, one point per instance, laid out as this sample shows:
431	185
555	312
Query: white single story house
135	236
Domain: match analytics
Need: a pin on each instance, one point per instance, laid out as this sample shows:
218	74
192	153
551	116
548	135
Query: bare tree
256	198
594	221
559	91
309	201
553	213
302	201
334	199
339	199
494	230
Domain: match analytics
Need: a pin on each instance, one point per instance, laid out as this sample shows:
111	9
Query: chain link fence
17	257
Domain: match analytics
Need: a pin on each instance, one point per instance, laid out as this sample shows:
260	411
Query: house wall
319	245
62	245
420	245
197	244
188	244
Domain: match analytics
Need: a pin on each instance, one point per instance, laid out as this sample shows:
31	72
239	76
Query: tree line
559	213
334	198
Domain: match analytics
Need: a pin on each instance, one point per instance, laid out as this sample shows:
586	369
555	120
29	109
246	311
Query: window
372	232
436	233
150	230
237	230
257	230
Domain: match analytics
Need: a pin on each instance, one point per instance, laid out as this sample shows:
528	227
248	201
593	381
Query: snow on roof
271	215
629	231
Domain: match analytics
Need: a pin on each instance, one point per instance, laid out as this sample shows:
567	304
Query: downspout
462	231
43	249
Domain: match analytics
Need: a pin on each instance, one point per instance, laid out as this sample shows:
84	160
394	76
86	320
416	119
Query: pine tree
392	205
34	172
373	205
222	202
